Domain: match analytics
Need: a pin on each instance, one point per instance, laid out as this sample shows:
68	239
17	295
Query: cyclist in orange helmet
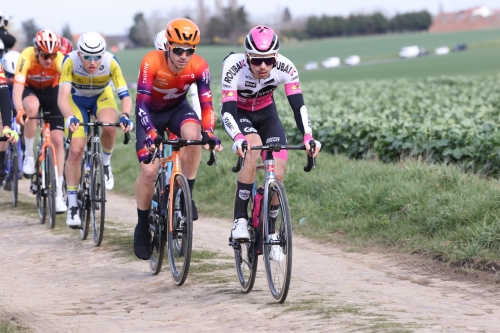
66	46
36	84
164	80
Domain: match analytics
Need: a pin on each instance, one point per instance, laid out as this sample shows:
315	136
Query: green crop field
378	56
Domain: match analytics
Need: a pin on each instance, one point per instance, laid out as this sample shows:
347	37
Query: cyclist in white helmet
85	87
249	112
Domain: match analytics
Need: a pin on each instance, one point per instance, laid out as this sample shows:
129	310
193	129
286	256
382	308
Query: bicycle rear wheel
41	199
83	198
278	243
50	186
157	227
97	198
180	239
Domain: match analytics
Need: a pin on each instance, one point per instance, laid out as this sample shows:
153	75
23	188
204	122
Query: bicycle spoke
97	198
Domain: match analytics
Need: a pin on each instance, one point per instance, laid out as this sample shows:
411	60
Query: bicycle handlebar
205	139
99	123
311	161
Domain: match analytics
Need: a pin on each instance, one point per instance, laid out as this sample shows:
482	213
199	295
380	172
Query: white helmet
161	40
91	43
2	45
9	61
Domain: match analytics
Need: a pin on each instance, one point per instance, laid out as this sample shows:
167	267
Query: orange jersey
31	73
3	80
159	89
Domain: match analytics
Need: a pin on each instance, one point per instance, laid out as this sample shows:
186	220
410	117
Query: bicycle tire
41	199
157	227
97	198
84	201
50	188
278	264
14	172
180	239
246	259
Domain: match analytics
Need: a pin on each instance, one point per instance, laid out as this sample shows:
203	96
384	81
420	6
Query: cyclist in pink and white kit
249	112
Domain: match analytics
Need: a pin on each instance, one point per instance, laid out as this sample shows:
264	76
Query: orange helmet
182	31
66	46
47	41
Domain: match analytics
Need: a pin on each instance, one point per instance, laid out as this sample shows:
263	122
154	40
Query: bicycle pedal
75	227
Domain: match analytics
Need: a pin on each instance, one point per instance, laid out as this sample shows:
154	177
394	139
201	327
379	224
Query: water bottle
256	206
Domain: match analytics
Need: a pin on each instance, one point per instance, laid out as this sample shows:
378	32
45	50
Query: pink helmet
262	40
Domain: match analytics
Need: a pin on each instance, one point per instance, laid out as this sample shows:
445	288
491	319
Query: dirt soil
51	281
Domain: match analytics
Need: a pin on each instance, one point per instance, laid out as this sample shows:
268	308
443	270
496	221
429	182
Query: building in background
476	18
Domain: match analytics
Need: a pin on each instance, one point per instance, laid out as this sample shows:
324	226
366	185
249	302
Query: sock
273	213
106	156
72	196
2	158
142	236
59	188
191	185
243	192
28	143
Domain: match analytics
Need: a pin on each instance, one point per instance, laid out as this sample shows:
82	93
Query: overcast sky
116	17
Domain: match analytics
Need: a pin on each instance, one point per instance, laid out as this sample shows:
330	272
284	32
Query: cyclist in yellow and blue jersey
85	88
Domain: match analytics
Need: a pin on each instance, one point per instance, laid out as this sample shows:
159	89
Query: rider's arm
23	64
17	95
5	104
229	102
121	87
205	96
63	100
147	73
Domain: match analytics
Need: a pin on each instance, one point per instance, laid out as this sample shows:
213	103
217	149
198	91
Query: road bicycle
13	163
91	196
269	226
170	217
44	180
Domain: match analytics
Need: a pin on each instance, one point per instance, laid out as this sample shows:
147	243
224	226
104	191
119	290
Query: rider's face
261	65
91	63
45	59
180	54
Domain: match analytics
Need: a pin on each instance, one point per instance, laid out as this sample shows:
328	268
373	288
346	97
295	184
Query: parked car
311	65
409	51
331	62
442	50
460	47
352	60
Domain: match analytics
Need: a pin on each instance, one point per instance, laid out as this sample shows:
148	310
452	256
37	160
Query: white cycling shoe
73	218
275	251
29	166
60	205
240	230
108	177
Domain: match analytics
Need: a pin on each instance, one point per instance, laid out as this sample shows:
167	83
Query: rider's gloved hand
218	143
238	140
126	122
10	134
307	138
72	122
149	141
20	118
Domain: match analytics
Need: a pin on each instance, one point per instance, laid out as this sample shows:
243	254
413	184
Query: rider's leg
31	104
73	173
108	138
57	139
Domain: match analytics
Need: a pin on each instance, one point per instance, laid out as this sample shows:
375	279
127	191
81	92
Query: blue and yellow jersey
88	85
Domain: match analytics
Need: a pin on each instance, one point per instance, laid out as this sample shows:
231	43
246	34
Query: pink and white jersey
251	94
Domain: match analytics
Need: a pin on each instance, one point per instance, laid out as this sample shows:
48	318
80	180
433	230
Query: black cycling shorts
48	101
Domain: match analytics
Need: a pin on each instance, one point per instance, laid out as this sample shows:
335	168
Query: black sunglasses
258	61
180	50
46	56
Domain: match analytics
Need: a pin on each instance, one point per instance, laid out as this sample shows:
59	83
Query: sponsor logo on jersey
273	139
228	124
250	77
269	82
41	77
249	130
205	76
22	64
20	78
230	74
208	94
245	120
227	86
101	67
286	68
295	78
145	73
250	84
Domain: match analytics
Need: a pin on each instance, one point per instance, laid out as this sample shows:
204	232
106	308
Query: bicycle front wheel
97	198
157	227
180	239
41	198
50	186
14	172
278	242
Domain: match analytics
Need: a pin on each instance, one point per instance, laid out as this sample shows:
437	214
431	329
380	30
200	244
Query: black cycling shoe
142	241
